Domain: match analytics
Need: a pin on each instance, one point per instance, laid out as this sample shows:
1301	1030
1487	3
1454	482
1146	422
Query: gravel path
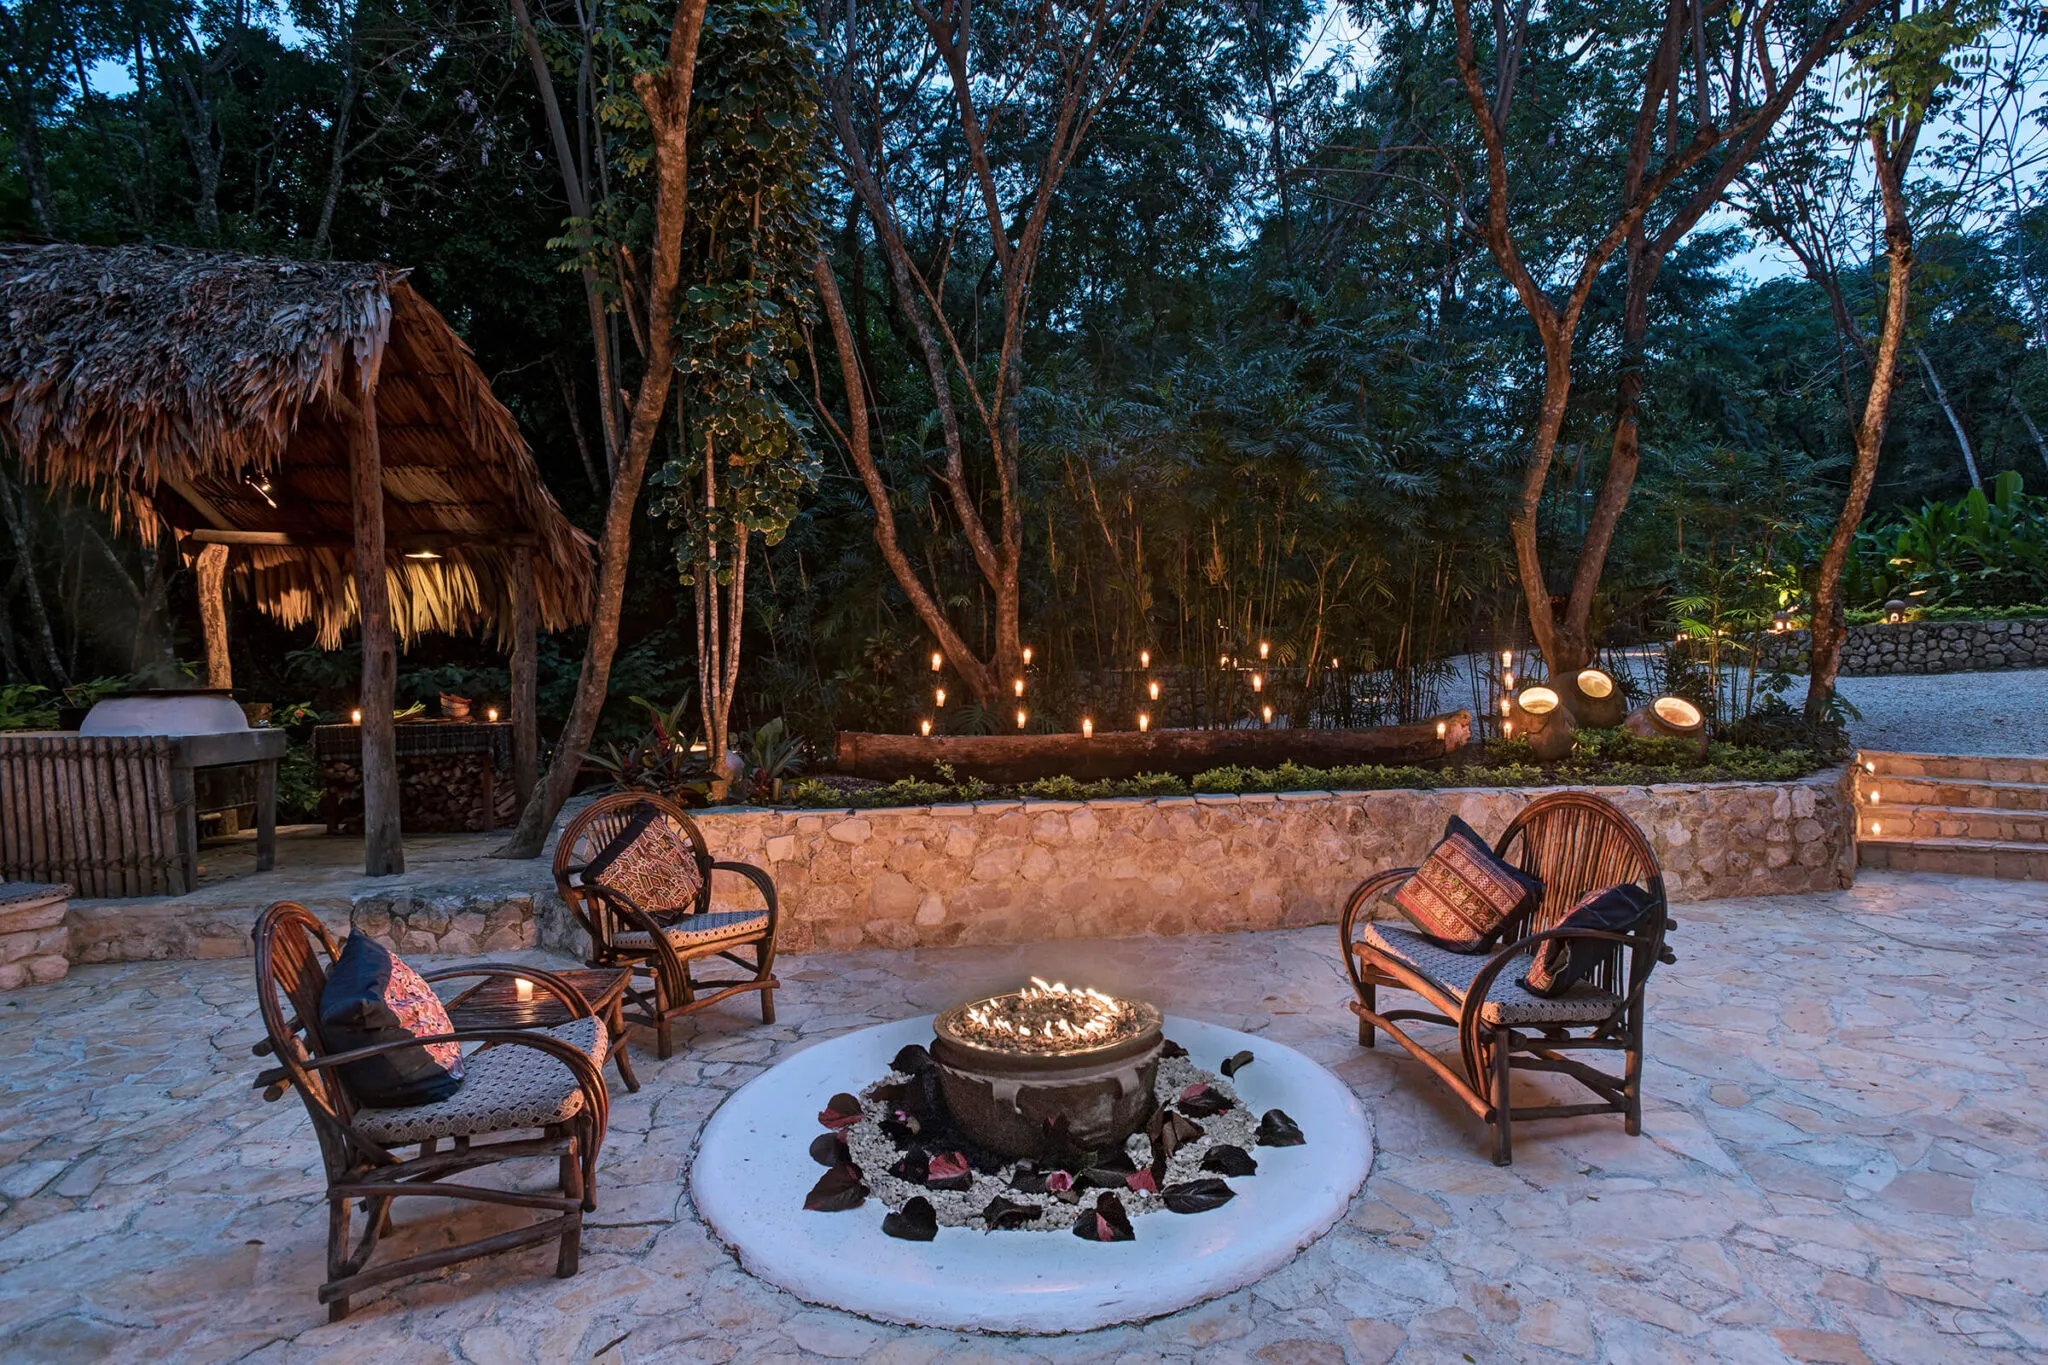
1950	713
1931	713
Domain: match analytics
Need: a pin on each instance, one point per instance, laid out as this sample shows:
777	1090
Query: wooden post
383	845
525	678
213	614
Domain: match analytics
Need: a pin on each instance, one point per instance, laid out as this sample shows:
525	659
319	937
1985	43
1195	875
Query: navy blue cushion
372	997
1559	964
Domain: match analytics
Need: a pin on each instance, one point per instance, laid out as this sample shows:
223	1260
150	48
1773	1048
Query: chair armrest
562	990
762	883
1482	984
627	909
1373	886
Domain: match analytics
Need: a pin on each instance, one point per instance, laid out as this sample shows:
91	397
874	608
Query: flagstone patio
1846	1159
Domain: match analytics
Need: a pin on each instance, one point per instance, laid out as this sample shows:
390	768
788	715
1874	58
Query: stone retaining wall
1015	872
1919	647
418	921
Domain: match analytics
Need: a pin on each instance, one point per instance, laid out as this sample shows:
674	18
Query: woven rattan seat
503	1089
1508	1001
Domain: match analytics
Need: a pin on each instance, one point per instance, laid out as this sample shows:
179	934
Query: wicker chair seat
694	931
1508	1002
504	1089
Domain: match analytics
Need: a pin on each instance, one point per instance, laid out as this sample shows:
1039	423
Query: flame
1086	1014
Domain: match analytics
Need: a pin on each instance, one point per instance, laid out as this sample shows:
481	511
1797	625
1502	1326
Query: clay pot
1540	716
1595	699
1669	718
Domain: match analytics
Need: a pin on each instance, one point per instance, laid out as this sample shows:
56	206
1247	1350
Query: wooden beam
213	614
383	843
525	676
1126	753
422	540
201	504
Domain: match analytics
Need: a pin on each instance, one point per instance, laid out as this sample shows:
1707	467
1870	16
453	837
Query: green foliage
772	756
27	706
1974	551
1906	65
661	760
300	785
1775	724
747	262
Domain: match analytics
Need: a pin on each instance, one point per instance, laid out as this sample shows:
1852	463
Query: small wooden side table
494	1003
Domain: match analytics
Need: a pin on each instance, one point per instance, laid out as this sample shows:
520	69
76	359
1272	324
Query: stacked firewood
437	794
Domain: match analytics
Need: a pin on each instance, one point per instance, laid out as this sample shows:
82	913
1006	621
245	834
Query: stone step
1966	767
1956	857
1957	822
1936	791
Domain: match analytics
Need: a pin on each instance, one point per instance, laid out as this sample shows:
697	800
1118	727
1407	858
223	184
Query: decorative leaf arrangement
919	1126
1277	1130
916	1221
1197	1196
1003	1214
1225	1159
1106	1222
838	1190
841	1111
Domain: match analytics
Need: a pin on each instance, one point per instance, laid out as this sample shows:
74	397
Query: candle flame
1087	728
924	727
1144	658
1144	722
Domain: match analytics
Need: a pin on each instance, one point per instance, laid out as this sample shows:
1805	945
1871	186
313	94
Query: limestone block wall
1016	871
424	921
1920	647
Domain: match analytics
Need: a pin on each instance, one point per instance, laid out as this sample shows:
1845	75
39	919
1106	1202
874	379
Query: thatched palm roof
194	386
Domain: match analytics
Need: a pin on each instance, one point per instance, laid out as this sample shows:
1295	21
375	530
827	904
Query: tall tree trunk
383	837
1828	629
665	95
17	516
213	614
1948	410
2027	421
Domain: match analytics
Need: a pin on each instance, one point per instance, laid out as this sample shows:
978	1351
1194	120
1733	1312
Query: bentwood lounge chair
528	1093
1575	843
637	874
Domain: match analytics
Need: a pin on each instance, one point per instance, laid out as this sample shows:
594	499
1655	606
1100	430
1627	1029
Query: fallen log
1127	753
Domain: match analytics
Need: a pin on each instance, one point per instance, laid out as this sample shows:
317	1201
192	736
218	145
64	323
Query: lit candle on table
1087	728
522	988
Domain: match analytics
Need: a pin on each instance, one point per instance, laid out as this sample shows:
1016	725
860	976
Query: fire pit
1011	1065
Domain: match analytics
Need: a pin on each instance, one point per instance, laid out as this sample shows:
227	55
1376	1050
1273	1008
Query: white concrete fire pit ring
753	1167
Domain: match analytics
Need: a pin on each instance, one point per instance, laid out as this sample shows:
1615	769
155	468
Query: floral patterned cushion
1559	964
372	997
652	861
1462	894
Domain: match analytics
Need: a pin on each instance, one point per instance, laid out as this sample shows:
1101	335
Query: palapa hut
293	423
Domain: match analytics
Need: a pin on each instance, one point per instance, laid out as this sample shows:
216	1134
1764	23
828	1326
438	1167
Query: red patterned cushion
1462	894
653	862
1559	964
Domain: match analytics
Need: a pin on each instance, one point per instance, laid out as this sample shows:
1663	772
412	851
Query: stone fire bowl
753	1167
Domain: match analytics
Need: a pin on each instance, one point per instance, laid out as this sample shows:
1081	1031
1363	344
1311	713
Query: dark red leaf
1203	1101
1004	1213
1197	1196
1028	1182
829	1149
1169	1048
1106	1222
1142	1182
1056	1181
1225	1159
916	1221
911	1060
841	1111
838	1190
948	1171
1235	1063
914	1167
1277	1130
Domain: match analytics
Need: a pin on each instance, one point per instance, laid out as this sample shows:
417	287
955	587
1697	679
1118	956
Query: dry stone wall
1919	647
1015	871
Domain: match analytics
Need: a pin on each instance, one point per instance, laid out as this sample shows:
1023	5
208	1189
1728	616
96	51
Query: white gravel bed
874	1153
1949	713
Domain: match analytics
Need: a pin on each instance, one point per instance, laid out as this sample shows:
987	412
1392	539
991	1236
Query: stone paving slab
1845	1160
